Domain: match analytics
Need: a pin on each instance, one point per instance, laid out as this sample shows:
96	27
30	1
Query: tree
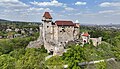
7	62
55	62
73	56
33	59
101	65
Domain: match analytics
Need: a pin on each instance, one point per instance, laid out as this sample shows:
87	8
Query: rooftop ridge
47	15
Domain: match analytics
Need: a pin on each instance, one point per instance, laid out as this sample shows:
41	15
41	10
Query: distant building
1	37
86	39
16	29
8	30
22	32
17	35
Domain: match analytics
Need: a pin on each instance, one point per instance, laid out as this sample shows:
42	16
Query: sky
82	11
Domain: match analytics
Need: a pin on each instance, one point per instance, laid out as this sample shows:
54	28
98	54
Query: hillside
3	20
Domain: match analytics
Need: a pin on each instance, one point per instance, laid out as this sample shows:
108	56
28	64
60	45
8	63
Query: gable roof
85	34
47	15
64	23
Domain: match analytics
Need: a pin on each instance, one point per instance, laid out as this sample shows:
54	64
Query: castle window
47	26
65	42
63	30
62	26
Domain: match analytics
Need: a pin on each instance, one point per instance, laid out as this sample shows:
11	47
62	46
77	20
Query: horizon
83	11
63	20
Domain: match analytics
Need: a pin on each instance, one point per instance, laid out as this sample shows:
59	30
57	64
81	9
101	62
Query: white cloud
69	8
35	9
51	3
110	4
13	4
80	3
8	0
39	9
78	13
107	11
110	12
48	9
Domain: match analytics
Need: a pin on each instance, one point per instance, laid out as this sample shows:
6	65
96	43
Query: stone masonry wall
65	34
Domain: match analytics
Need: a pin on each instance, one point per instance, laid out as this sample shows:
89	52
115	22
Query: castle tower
47	31
47	23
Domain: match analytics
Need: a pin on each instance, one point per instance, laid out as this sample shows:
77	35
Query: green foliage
32	59
73	56
7	46
55	62
17	54
101	65
42	49
88	53
91	42
116	52
36	35
7	62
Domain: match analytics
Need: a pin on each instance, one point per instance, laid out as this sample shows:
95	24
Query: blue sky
82	11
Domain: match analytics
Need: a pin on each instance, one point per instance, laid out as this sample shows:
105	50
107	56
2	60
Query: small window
63	30
65	42
63	27
47	26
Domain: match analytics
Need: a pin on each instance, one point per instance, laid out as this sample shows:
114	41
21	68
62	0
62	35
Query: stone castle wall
96	41
65	34
76	33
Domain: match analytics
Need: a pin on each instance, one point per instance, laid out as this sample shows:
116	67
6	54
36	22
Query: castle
55	35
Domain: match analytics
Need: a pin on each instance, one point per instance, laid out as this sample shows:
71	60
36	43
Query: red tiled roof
85	34
64	23
47	15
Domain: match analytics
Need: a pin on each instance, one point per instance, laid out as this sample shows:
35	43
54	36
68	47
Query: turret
47	17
